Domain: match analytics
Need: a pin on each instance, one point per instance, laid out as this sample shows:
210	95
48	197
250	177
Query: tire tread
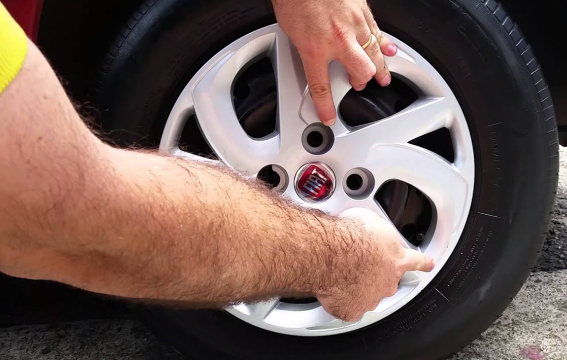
118	42
533	66
548	113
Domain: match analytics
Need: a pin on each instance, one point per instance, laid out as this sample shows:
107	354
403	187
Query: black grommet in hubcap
317	139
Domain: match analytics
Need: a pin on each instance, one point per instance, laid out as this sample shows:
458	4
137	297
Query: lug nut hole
275	177
358	183
317	139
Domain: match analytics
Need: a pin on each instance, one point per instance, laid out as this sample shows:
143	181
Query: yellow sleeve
13	48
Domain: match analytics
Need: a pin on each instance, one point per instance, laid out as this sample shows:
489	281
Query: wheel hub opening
375	103
290	300
255	99
408	209
193	141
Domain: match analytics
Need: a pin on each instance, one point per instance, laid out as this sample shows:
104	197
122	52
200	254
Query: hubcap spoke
333	325
411	278
292	86
263	309
213	106
418	72
420	118
193	157
371	204
429	173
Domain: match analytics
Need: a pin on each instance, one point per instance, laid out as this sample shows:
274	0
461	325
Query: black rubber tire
492	70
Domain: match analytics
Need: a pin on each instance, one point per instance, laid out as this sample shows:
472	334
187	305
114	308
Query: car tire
481	54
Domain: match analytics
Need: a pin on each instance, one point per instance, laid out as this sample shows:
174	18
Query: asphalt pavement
534	327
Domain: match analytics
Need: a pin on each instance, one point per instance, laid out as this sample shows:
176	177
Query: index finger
417	261
317	73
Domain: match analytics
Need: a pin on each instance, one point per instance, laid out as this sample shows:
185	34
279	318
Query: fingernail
329	122
360	87
386	80
392	48
431	265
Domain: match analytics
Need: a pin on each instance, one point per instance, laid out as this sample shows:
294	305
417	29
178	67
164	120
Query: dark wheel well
75	35
541	24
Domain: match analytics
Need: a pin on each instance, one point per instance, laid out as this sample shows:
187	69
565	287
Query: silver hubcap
377	152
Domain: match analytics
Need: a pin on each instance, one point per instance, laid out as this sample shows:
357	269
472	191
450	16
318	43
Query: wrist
338	262
321	241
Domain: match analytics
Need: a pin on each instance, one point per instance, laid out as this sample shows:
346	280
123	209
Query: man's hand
371	269
326	30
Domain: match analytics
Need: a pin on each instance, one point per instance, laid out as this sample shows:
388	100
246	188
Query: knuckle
375	52
359	20
353	79
339	33
310	51
379	35
369	73
374	27
370	70
320	90
362	70
357	85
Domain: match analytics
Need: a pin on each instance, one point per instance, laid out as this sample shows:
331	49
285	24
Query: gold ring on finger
372	37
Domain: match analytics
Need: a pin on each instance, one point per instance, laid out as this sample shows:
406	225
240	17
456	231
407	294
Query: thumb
418	262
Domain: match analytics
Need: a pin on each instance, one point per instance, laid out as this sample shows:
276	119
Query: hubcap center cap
315	182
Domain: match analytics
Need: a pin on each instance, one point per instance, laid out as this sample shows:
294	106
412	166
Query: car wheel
459	153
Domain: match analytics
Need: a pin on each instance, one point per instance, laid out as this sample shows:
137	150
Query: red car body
27	13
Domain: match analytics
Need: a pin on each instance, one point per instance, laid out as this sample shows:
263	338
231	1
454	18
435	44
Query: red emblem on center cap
315	182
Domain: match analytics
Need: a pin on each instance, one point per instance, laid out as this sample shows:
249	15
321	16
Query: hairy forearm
204	234
135	224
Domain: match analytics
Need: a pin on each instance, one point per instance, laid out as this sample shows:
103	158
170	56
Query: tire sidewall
513	192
